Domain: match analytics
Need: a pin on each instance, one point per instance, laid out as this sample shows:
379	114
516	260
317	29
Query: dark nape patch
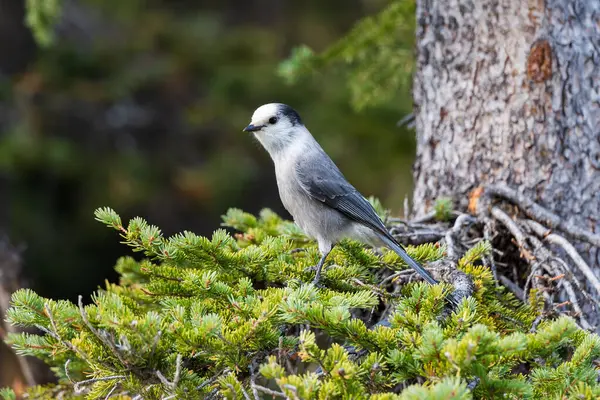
290	113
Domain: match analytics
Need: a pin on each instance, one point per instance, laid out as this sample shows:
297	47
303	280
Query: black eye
273	120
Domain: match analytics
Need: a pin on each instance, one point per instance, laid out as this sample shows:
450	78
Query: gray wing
323	181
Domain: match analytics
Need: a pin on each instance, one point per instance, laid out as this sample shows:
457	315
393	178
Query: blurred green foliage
139	105
376	56
41	17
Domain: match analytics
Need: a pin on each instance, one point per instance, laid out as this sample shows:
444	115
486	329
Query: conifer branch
103	338
396	334
519	293
172	385
56	335
78	385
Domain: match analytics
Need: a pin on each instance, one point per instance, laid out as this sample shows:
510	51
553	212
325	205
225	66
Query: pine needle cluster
232	316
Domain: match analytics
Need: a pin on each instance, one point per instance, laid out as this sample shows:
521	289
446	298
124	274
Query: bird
314	190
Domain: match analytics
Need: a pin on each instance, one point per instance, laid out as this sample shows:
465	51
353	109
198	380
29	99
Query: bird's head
276	126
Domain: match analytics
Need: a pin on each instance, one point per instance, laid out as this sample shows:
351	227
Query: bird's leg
325	250
318	268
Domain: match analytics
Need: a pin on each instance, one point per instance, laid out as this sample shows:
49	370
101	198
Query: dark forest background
139	105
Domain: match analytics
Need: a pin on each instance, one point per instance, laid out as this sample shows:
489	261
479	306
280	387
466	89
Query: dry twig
540	214
569	249
547	272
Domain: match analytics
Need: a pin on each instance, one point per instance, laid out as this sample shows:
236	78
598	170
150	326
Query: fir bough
231	316
376	55
41	17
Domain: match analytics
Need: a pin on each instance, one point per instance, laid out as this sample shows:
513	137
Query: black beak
253	128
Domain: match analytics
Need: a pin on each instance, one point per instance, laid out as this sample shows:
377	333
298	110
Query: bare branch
67	371
534	269
177	375
155	343
230	387
280	350
451	246
566	284
57	336
396	275
512	287
210	381
430	216
270	392
539	213
246	395
111	391
511	226
78	386
580	287
253	380
546	260
569	249
489	261
462	221
292	389
373	288
416	238
162	378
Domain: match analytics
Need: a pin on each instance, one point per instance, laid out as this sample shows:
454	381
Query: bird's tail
397	248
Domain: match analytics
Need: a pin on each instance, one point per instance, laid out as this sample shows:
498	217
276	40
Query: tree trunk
17	48
509	92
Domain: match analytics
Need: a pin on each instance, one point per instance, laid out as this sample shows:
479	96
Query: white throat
285	145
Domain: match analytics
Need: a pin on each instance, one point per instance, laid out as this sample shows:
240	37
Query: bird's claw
317	279
317	283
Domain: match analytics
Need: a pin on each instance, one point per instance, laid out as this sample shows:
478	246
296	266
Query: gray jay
314	191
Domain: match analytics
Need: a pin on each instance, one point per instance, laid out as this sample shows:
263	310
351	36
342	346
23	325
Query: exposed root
527	252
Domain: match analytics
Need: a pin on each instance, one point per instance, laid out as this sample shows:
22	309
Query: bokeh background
139	105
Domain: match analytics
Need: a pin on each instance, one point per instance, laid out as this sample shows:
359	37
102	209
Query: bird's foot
316	281
313	268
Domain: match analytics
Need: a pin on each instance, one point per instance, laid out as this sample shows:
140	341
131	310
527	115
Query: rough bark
509	92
